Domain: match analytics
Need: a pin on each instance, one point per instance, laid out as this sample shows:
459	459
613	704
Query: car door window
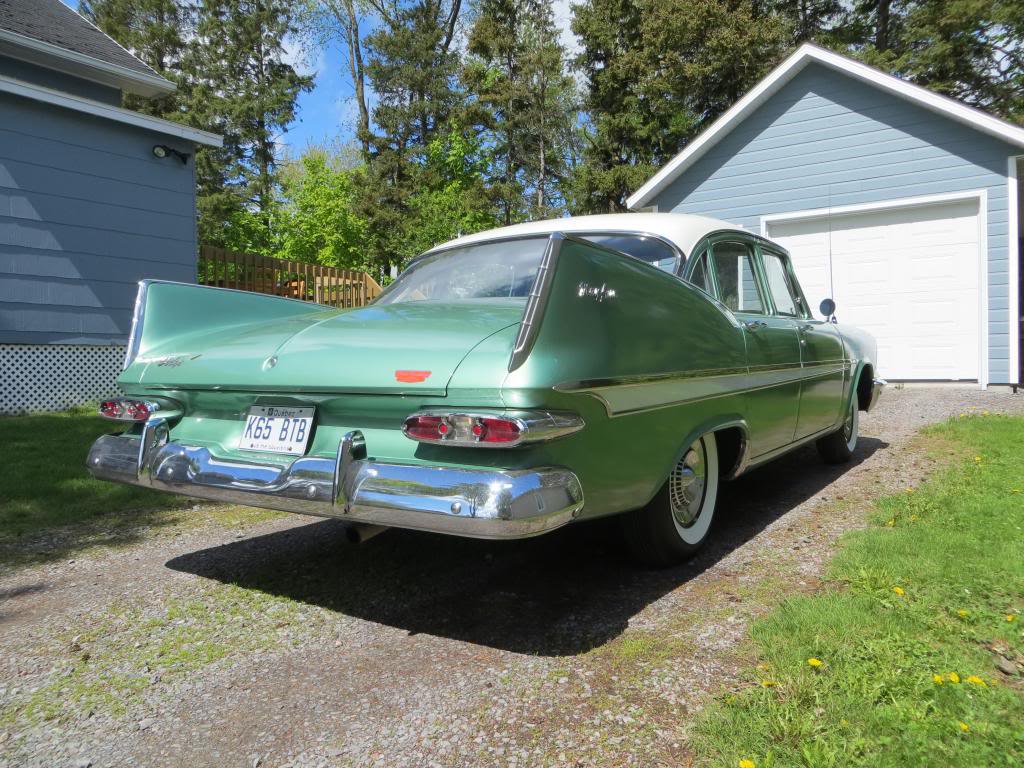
779	284
737	278
699	274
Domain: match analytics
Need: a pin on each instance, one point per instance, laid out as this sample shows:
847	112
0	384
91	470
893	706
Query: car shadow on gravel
559	594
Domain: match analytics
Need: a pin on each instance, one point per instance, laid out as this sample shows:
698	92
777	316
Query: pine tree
155	31
657	72
412	70
239	86
516	75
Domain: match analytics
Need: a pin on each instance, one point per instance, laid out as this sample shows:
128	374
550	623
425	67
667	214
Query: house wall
86	211
826	139
59	81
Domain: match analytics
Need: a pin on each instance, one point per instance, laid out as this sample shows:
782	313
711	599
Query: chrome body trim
624	395
534	426
135	334
480	503
535	304
877	386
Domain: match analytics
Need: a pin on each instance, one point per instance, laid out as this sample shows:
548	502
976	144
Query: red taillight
431	428
112	409
463	429
125	409
496	430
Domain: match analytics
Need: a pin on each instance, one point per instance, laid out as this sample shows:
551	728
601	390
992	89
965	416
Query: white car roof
681	229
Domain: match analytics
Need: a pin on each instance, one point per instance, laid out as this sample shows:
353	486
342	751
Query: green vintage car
506	384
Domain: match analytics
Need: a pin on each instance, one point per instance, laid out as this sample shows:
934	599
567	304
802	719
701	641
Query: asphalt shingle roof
50	21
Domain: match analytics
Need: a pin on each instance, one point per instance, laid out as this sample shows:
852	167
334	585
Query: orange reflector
411	377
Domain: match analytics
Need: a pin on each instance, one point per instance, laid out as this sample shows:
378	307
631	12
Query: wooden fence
279	277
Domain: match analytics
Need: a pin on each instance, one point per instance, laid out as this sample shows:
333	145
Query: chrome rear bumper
482	503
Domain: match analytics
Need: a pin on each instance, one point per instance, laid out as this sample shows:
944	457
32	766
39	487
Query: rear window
494	270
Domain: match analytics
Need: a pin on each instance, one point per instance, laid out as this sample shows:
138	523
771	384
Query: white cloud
304	60
562	11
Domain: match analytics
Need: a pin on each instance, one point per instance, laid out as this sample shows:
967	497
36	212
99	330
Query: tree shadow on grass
563	593
49	505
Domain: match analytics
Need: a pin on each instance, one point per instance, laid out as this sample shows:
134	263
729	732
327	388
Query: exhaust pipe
359	533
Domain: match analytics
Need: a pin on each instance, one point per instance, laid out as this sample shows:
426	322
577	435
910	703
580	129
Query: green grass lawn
47	495
45	484
895	664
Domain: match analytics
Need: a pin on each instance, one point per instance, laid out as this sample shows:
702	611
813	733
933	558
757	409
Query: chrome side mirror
827	308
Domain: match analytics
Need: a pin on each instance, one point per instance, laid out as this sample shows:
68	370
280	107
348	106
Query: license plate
277	429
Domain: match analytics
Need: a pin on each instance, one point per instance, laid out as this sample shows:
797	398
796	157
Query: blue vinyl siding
86	212
59	81
825	139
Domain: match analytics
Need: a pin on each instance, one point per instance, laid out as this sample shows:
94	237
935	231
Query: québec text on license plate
277	428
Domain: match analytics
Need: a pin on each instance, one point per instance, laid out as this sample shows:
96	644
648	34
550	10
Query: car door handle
753	325
805	327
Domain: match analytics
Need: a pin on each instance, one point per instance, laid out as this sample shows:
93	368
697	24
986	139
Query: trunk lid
411	347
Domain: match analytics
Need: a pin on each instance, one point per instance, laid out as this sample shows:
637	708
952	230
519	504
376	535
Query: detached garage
902	205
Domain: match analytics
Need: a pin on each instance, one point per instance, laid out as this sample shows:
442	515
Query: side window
649	249
778	283
737	280
699	275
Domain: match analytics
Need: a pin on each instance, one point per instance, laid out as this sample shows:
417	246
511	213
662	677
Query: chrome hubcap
687	484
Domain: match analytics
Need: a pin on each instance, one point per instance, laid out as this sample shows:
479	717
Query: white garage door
908	275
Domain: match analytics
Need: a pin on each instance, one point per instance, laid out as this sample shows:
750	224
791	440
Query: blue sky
327	113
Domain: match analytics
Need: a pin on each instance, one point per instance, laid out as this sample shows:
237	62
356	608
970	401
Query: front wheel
675	524
838	447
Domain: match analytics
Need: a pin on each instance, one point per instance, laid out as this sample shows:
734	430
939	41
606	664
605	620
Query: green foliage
910	636
967	49
656	73
516	79
317	221
155	31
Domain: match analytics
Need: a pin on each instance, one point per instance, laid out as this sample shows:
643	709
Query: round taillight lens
112	409
425	427
497	430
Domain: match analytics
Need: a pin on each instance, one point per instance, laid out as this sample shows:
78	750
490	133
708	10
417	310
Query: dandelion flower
963	614
984	413
1011	617
965	727
910	489
899	591
937	679
769	683
891	523
745	763
977	459
913	518
814	662
975	680
953	677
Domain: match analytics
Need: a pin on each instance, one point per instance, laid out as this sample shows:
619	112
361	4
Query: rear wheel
838	447
676	522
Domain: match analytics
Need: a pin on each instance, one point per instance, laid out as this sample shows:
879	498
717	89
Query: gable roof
52	35
782	74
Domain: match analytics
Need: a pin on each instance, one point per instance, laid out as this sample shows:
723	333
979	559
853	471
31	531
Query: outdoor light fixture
162	151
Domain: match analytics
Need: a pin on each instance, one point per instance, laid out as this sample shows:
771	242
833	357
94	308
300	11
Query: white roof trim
804	55
99	109
80	65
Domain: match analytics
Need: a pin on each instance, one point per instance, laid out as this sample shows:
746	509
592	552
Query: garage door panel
908	276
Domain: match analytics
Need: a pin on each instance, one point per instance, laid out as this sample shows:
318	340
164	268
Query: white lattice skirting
53	377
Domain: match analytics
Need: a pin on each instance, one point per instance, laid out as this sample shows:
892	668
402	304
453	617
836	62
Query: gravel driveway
279	644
